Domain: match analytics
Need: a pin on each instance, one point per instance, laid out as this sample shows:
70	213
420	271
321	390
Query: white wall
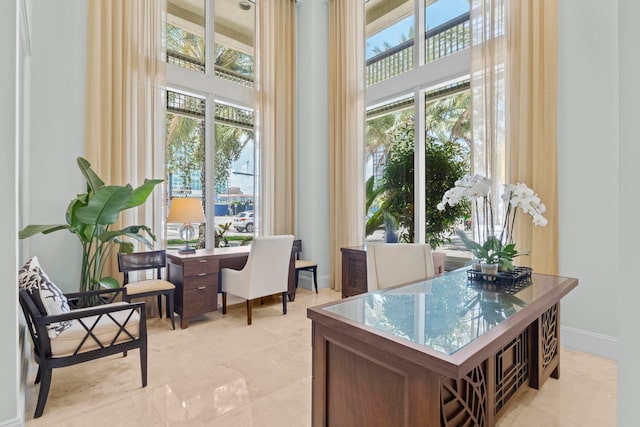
312	136
588	182
57	134
627	226
10	399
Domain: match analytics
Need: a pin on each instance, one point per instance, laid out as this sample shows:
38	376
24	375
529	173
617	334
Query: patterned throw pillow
45	294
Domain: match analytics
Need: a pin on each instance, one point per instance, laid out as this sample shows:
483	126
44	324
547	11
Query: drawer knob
202	274
201	287
202	260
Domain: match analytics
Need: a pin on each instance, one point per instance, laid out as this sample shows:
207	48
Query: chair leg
249	312
297	274
284	303
224	303
170	309
143	364
38	375
160	305
45	384
315	278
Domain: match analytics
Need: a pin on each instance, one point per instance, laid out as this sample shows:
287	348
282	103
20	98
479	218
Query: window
418	101
210	145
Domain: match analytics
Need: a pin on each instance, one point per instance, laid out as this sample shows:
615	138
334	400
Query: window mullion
419	164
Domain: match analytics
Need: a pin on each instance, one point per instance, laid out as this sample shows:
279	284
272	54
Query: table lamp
186	211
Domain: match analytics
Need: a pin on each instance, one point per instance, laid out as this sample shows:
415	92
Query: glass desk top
444	313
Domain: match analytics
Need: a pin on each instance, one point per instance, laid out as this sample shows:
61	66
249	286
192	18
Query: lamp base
187	251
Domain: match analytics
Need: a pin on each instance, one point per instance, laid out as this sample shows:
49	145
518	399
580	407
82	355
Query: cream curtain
275	85
514	84
124	118
346	130
531	118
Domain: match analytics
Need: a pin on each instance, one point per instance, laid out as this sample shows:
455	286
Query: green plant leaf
140	194
105	205
108	282
94	183
34	229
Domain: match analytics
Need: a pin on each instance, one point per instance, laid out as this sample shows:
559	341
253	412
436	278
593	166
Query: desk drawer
199	267
200	300
200	281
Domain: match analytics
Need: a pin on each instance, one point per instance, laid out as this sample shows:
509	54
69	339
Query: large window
210	146
418	117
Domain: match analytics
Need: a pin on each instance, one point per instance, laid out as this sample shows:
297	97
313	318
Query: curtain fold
124	114
274	93
532	122
346	130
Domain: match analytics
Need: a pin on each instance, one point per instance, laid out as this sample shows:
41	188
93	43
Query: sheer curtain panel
346	130
124	118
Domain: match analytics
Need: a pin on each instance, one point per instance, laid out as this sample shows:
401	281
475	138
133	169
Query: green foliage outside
447	160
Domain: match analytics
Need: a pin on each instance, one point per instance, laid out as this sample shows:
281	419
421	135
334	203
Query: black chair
151	287
89	333
304	265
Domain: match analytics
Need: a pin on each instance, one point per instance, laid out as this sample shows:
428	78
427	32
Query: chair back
297	248
392	264
268	265
142	261
39	334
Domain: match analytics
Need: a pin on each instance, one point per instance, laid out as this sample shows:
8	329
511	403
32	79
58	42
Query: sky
436	14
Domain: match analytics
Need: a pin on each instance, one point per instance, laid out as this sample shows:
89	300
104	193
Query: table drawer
200	300
203	266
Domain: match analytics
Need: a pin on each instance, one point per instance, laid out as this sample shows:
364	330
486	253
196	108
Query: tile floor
221	372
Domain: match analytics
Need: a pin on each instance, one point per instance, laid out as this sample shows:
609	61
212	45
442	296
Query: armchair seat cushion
106	329
150	285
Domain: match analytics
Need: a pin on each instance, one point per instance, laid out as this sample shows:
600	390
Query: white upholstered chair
265	273
393	264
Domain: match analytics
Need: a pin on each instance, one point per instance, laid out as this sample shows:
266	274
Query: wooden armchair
88	333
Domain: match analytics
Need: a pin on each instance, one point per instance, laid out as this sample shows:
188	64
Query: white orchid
477	190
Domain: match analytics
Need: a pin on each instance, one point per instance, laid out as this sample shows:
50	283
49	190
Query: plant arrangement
489	248
90	216
221	235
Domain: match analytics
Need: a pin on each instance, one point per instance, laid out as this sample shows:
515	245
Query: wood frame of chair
304	265
157	287
91	343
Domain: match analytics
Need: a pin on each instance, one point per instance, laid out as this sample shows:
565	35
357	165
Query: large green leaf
93	180
140	194
105	205
33	229
132	232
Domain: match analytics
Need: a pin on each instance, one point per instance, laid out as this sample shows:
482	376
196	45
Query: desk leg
184	323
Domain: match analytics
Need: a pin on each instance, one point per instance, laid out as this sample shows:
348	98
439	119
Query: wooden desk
442	352
196	277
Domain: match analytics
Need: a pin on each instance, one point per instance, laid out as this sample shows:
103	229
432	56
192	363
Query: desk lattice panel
511	369
549	335
463	402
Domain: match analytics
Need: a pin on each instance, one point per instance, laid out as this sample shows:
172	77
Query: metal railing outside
194	64
445	39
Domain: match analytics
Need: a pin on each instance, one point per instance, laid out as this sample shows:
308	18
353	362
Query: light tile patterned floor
221	372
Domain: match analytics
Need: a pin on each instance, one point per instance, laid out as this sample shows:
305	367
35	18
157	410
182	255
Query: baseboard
16	422
589	342
306	281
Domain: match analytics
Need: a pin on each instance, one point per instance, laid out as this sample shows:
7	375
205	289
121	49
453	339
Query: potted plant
90	216
492	254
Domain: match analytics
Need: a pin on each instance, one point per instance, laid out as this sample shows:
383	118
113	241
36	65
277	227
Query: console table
442	352
196	277
354	269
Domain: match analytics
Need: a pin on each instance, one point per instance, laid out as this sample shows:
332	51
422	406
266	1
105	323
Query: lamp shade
185	210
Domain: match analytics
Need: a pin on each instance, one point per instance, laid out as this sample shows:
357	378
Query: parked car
243	221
